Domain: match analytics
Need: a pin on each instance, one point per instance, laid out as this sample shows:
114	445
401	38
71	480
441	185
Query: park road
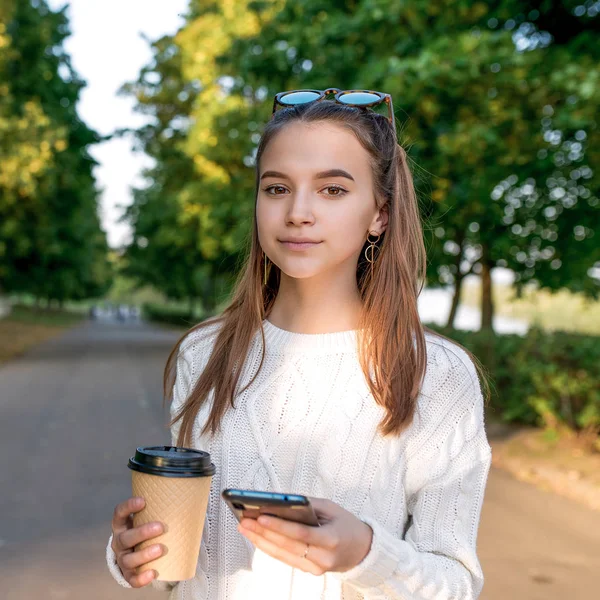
73	409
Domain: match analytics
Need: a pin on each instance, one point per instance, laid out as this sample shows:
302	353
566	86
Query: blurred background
128	132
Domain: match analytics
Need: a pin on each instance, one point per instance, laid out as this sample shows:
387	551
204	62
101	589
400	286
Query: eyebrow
320	175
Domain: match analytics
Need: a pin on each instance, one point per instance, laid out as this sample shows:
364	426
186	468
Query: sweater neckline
282	339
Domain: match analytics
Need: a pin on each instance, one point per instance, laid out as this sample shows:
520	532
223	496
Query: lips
300	244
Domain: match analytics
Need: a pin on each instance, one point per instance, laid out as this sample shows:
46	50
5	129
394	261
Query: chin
300	273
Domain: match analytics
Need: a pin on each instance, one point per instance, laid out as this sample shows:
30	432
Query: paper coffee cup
175	483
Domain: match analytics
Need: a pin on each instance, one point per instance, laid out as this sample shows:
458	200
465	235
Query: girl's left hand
340	544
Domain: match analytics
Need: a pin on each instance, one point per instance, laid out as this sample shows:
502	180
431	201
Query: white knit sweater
308	425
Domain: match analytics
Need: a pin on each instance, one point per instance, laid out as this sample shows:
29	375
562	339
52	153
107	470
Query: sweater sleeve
436	558
180	391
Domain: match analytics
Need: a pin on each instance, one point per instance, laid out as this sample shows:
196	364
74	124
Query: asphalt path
72	411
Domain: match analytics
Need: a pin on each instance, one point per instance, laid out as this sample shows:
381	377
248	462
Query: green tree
475	84
170	248
51	243
495	103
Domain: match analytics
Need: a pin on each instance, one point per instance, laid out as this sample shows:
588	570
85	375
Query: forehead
314	147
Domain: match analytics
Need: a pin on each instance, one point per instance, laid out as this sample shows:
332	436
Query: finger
321	557
122	512
132	560
138	581
323	536
293	546
132	537
293	560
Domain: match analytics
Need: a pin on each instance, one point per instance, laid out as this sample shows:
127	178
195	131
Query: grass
26	327
45	317
562	310
563	463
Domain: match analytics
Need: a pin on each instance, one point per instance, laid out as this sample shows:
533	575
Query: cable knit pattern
308	425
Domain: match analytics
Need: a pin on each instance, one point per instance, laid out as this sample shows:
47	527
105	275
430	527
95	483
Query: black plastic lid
171	461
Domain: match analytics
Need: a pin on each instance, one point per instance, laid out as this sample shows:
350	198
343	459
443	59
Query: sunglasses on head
358	98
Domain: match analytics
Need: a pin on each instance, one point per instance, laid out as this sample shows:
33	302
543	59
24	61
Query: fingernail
264	521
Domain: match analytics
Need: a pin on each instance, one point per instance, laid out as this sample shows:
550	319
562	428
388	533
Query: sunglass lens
359	98
298	98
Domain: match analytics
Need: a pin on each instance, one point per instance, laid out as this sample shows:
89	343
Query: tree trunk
458	278
487	302
455	299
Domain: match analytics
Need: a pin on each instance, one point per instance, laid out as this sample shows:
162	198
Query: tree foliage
496	103
51	243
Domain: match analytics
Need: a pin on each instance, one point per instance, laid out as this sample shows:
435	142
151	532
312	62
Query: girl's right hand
126	537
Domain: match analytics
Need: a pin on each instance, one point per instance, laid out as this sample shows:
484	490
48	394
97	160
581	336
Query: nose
300	209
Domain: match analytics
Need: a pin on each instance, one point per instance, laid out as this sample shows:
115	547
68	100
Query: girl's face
316	184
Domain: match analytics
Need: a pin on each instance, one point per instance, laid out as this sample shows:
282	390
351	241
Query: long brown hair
392	351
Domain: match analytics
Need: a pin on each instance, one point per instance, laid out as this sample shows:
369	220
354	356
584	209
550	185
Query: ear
379	223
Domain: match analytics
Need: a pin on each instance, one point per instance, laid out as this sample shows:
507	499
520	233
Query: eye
273	187
339	191
333	190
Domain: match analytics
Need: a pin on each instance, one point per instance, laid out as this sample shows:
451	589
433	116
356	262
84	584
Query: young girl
319	379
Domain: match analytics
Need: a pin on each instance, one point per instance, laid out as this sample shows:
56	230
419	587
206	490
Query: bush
551	379
169	315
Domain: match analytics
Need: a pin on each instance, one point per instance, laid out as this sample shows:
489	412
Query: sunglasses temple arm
391	112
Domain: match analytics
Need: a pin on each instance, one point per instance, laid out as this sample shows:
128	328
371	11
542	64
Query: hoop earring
372	254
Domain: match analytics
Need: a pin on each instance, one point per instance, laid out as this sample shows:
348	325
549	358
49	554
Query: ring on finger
306	551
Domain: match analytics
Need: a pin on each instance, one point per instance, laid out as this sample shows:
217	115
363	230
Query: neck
316	305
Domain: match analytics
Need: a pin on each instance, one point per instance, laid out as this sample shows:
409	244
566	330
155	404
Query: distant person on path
319	379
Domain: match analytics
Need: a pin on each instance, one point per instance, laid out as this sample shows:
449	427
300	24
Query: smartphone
251	504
